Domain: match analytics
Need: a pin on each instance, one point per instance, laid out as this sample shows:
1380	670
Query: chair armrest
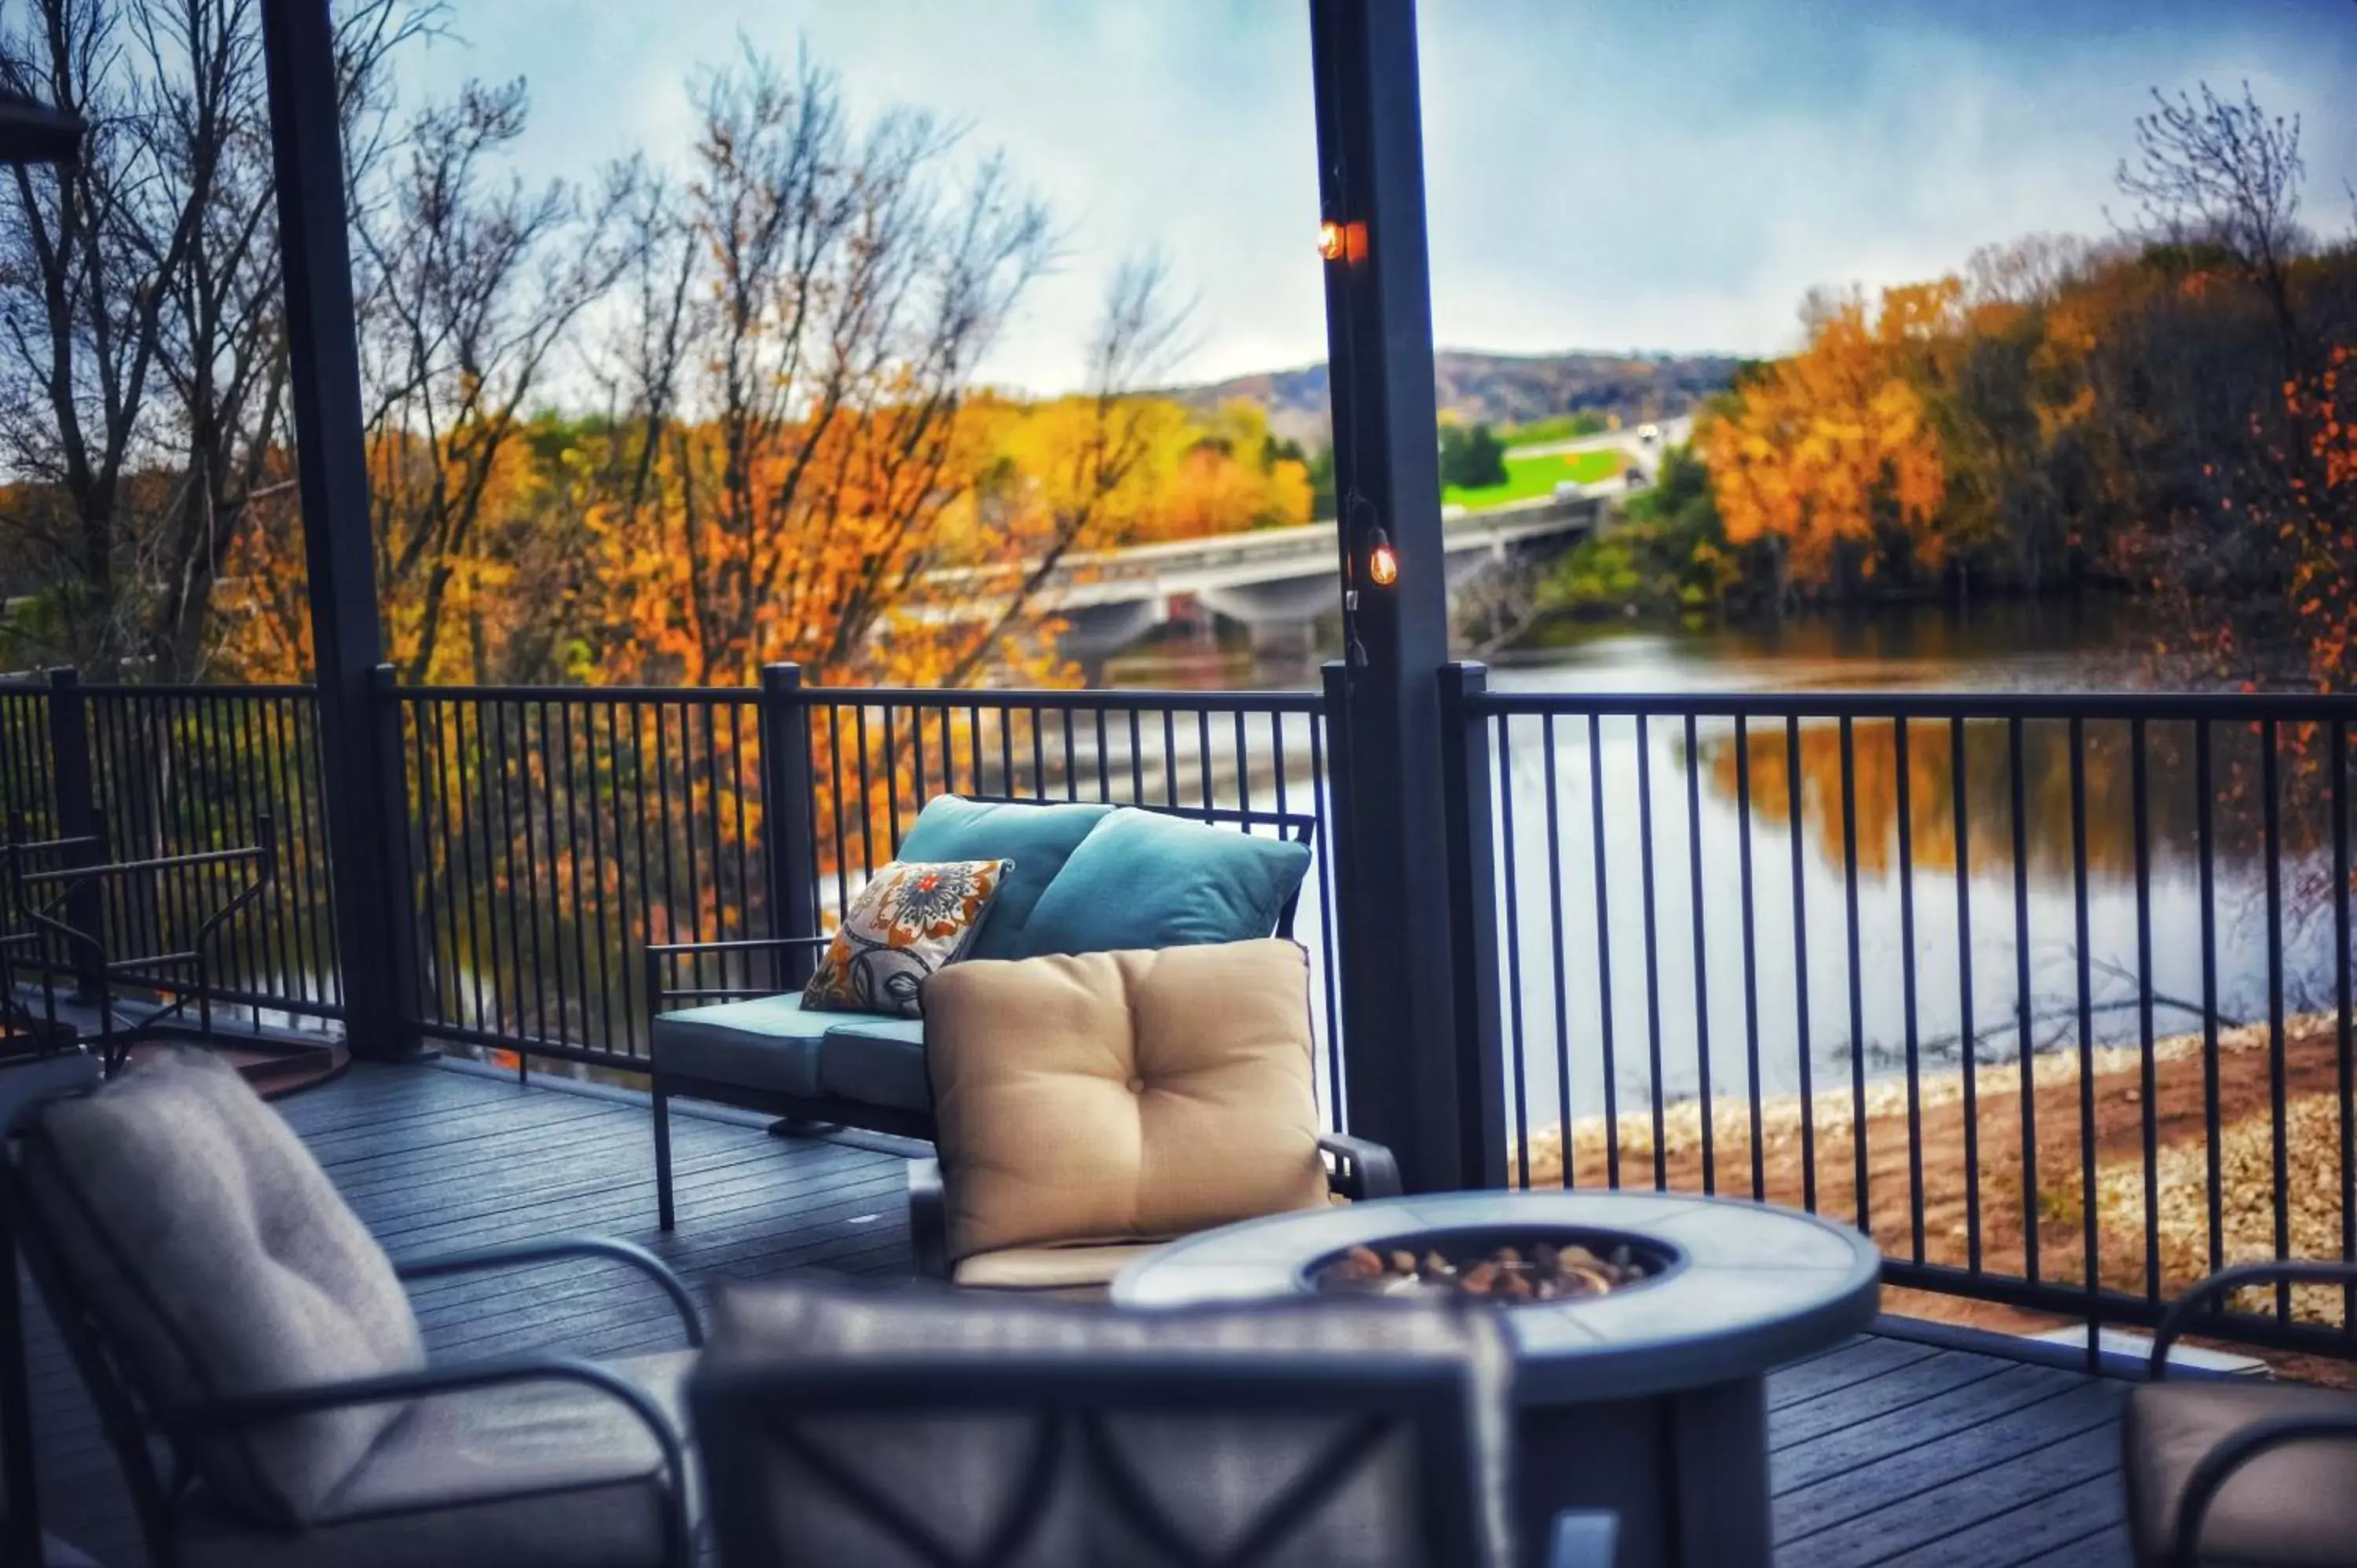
27	1086
1364	1169
929	1235
521	1253
658	993
244	1410
2235	1450
2194	1303
1581	1538
743	944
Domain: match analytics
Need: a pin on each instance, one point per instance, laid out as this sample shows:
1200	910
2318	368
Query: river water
1786	1017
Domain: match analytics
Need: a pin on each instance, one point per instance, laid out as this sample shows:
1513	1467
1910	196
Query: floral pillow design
909	920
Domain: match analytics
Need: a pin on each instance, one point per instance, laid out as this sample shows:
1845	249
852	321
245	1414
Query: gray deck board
1883	1450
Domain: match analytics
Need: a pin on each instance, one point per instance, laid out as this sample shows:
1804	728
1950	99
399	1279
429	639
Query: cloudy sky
1602	174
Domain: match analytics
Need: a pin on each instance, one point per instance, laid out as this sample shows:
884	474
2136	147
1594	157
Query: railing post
404	954
1468	809
1400	980
786	807
1349	954
77	817
300	57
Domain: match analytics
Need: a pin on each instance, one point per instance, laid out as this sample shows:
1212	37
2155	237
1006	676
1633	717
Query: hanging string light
1340	242
1368	556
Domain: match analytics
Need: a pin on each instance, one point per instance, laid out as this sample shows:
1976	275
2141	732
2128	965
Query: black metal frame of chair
41	896
738	1409
47	1033
152	1444
2208	1476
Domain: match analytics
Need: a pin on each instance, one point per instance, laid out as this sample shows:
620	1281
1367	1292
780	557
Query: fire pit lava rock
1509	1267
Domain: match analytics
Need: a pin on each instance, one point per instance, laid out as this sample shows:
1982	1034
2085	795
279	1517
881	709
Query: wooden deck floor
1886	1450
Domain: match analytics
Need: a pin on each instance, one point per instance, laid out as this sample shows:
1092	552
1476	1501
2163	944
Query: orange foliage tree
1831	454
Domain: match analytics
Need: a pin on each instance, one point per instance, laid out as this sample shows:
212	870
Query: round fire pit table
1650	1399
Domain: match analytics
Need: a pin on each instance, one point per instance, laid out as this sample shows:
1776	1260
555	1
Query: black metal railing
2048	993
554	833
176	771
1262	755
26	745
160	774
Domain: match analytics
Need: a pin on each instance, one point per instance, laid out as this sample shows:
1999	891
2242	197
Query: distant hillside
1496	388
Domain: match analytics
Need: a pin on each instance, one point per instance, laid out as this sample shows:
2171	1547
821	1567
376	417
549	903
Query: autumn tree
2223	175
469	286
2247	341
1231	476
801	469
836	287
142	361
1175	473
1830	458
1085	483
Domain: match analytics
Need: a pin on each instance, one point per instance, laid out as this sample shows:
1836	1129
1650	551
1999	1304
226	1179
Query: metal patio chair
26	1028
914	1426
53	884
258	1370
2240	1471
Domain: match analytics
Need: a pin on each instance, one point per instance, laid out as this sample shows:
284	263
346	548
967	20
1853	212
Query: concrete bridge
1276	581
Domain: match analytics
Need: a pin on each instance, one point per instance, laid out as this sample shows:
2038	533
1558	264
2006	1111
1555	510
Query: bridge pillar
1412	1082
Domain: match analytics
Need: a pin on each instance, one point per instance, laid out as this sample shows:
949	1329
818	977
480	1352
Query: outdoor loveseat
1086	876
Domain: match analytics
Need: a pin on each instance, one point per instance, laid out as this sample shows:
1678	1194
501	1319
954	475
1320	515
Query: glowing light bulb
1331	240
1383	561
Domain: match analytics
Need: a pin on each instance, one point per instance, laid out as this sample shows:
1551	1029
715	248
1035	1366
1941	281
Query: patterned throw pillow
909	920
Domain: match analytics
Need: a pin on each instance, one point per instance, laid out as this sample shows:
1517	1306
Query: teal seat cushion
876	1060
1147	880
1037	839
766	1042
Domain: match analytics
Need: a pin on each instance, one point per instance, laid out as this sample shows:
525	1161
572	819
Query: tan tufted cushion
1123	1096
219	1259
1068	1270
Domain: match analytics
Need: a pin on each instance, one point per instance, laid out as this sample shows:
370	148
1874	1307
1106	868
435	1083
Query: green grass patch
1529	477
1558	427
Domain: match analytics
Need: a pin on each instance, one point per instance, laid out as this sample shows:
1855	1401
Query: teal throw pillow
1037	839
1143	879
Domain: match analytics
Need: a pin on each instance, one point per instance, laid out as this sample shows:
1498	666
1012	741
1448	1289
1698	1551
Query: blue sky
1601	174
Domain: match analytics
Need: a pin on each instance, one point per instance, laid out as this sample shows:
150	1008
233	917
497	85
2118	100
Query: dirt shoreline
1972	1177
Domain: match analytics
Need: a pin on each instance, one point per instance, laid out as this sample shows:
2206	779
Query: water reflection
1934	781
1752	837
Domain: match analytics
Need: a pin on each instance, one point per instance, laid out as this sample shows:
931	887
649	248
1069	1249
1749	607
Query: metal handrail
2219	706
